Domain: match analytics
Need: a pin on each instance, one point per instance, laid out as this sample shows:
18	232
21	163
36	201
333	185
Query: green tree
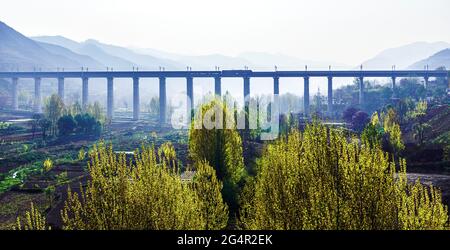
373	132
153	107
74	109
219	144
96	111
45	125
320	180
81	154
392	129
419	130
53	110
50	192
87	124
419	111
209	188
66	125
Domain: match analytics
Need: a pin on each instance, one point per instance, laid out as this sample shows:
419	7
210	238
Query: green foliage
45	125
33	221
166	153
87	124
140	194
81	154
66	125
209	188
49	192
372	134
288	122
392	129
18	175
96	110
48	165
419	111
62	178
320	180
220	146
395	137
153	107
419	130
4	125
74	109
53	110
359	121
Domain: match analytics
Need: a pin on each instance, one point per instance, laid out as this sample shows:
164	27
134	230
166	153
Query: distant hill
404	56
268	61
199	62
440	59
117	57
82	60
19	52
253	60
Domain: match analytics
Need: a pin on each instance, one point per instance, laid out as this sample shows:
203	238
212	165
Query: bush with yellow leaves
142	193
320	180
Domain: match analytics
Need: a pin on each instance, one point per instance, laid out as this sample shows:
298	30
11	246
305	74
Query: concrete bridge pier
110	98
162	100
61	88
218	86
426	78
276	85
14	94
37	95
246	100
361	91
85	92
330	95
189	97
136	100
306	96
394	87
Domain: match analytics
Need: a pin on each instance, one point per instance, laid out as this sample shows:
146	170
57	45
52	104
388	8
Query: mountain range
440	59
52	52
20	52
404	57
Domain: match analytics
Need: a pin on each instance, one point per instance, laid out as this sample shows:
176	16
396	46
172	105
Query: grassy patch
15	204
18	175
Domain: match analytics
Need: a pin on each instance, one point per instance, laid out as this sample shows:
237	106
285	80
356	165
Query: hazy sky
347	31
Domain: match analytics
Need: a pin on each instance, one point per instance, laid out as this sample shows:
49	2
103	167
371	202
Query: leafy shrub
87	124
140	194
66	125
33	221
48	165
319	180
81	154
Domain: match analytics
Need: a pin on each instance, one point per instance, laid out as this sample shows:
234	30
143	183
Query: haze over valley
57	53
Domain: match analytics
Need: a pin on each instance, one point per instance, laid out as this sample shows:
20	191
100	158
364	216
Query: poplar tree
33	220
321	180
208	188
142	193
220	146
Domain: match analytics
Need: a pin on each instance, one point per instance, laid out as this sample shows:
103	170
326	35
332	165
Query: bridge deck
226	73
